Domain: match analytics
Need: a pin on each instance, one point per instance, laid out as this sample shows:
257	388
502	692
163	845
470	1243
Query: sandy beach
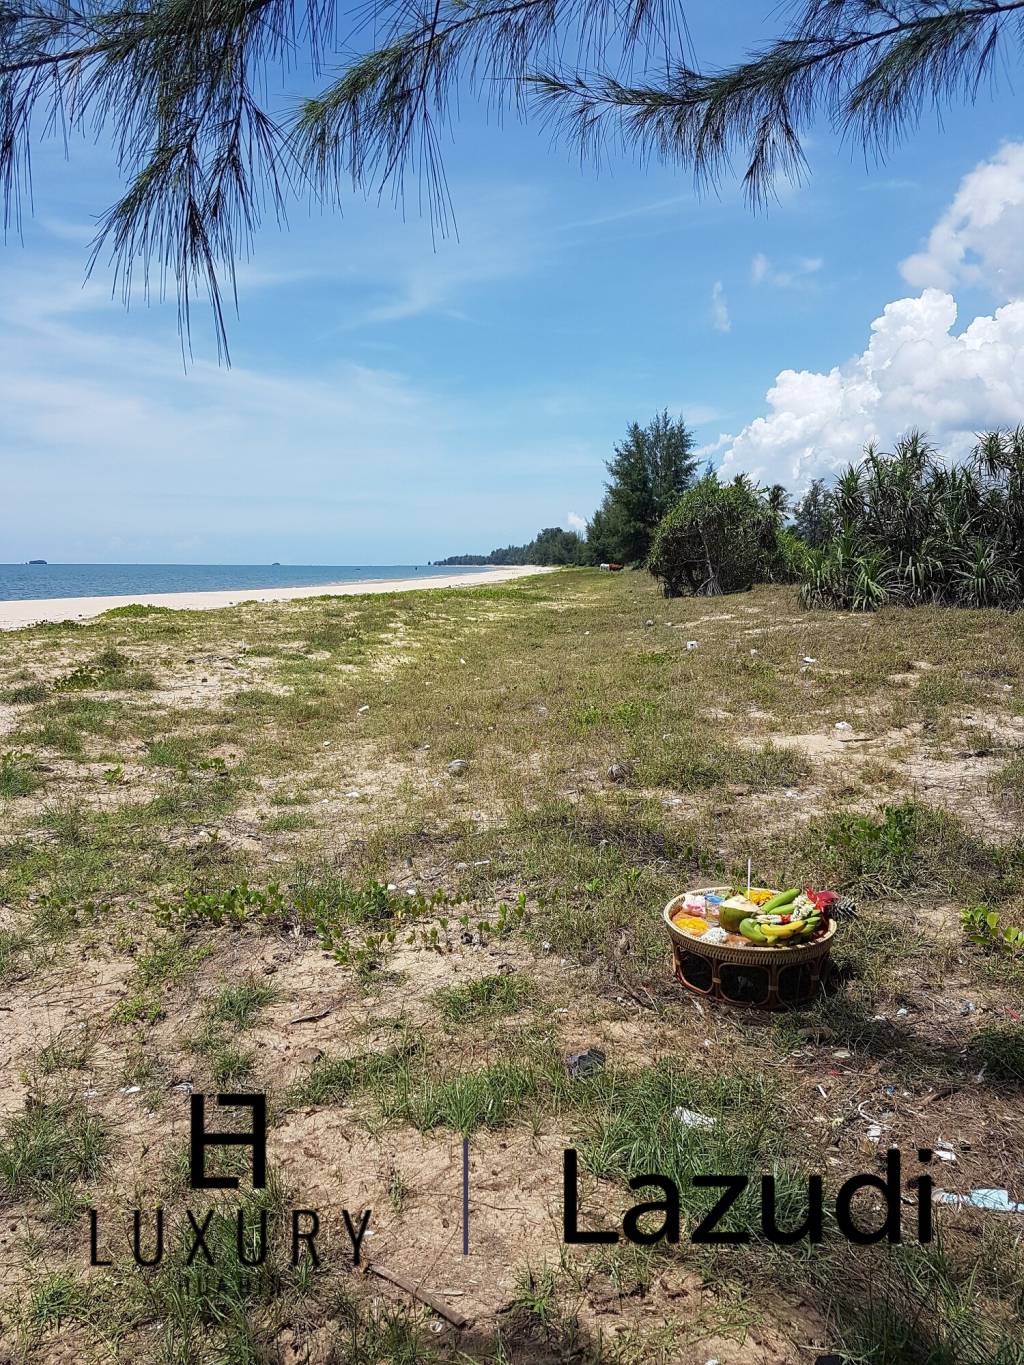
15	614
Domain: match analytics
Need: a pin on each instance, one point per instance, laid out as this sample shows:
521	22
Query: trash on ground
997	1201
692	644
584	1063
692	1118
843	725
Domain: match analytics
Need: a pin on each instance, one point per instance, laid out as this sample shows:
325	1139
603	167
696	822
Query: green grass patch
999	1048
490	997
18	776
50	1143
242	1005
912	847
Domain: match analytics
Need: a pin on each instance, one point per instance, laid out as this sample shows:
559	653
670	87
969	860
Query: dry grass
233	852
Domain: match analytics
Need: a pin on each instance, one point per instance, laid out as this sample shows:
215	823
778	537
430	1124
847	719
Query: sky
395	398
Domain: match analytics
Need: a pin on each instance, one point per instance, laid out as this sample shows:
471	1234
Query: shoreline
19	612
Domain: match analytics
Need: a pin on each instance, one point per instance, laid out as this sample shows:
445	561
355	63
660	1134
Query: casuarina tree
182	89
650	469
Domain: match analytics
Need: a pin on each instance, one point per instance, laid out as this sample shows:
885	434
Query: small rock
458	765
620	772
362	710
648	622
843	725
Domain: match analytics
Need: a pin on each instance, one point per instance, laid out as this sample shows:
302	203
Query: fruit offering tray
730	923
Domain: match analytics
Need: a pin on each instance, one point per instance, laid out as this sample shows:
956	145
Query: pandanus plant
908	528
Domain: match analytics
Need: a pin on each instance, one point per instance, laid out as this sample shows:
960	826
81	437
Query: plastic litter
808	660
584	1063
997	1201
692	644
691	1118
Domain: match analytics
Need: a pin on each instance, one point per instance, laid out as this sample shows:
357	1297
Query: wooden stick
439	1306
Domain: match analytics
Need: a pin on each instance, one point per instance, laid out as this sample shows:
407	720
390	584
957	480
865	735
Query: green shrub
718	538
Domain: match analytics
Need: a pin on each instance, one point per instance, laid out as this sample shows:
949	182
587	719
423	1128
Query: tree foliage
550	546
647	473
811	518
180	88
717	538
907	528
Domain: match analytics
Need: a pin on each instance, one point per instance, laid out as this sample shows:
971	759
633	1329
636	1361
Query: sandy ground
28	613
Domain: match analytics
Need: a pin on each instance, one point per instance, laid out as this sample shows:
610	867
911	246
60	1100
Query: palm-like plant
913	529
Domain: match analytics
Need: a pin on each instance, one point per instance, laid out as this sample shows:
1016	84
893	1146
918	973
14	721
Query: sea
26	582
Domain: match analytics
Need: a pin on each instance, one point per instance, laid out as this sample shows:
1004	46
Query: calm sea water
20	582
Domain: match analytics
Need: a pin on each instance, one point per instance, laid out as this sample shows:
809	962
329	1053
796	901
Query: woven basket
775	978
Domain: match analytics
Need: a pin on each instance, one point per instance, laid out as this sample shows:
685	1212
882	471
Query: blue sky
393	402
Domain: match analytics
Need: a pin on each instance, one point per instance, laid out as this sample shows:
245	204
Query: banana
753	931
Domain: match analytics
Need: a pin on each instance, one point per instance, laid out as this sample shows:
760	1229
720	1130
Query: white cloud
915	371
576	522
719	308
763	272
980	237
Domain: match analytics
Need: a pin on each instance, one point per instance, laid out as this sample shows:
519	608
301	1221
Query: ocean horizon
38	582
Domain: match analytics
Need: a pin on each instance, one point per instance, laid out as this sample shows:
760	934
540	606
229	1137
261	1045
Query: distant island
550	546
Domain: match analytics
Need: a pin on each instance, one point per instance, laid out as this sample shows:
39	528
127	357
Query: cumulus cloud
719	309
980	238
917	370
576	522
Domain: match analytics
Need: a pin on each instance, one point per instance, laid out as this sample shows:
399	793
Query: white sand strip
29	613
